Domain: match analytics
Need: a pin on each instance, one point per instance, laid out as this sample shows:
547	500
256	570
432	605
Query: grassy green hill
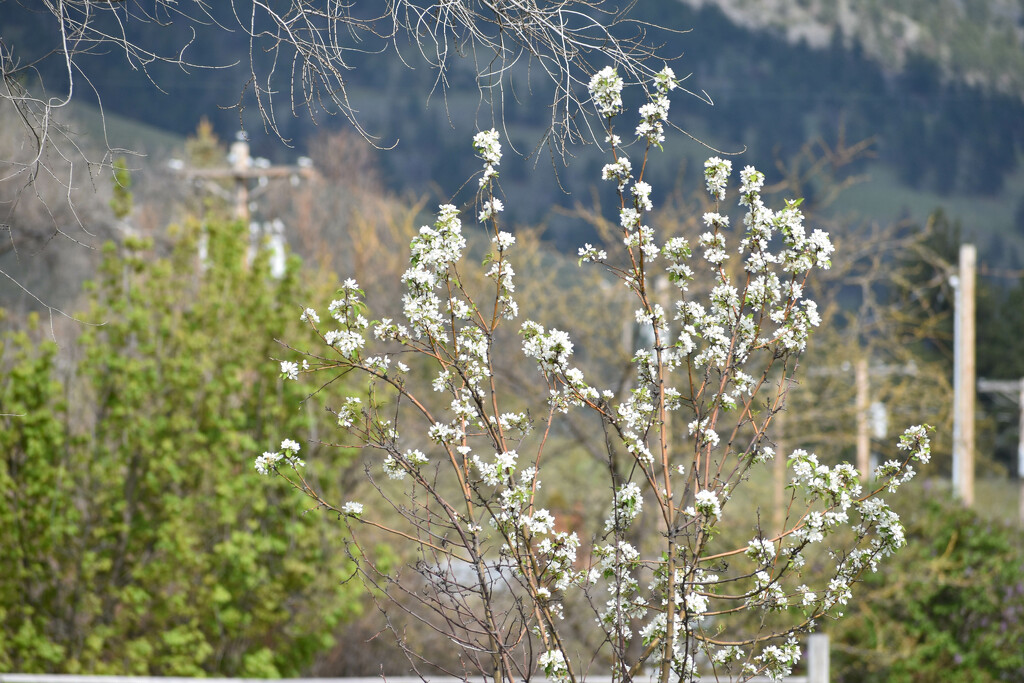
121	131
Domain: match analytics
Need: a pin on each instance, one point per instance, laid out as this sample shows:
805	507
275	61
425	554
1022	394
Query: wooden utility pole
779	474
1020	452
1013	389
663	296
963	376
863	435
867	422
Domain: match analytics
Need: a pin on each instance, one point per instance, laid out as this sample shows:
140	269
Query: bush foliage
950	606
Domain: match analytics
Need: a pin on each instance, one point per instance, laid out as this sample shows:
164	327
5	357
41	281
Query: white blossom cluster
352	509
488	148
434	250
288	454
552	663
606	91
551	348
627	503
349	338
588	252
654	114
777	661
706	503
290	369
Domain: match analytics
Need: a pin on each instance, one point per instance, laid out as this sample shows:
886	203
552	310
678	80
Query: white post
817	658
242	161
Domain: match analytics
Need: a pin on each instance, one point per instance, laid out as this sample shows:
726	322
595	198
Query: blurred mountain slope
977	42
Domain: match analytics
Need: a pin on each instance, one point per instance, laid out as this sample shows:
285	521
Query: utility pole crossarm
242	170
1010	387
254	172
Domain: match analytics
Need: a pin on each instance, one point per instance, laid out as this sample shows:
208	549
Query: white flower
606	91
506	462
620	171
393	469
716	172
352	509
551	348
760	550
416	458
751	180
714	245
627	504
696	605
309	315
652	118
705	433
541	522
345	341
351	412
778	660
915	440
629	218
555	668
706	503
489	149
588	252
665	80
503	239
442	433
289	369
487	146
642	192
267	462
490	208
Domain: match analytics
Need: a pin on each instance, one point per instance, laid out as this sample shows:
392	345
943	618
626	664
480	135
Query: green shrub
136	537
948	607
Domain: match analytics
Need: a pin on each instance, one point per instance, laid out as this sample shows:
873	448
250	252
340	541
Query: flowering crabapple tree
494	569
